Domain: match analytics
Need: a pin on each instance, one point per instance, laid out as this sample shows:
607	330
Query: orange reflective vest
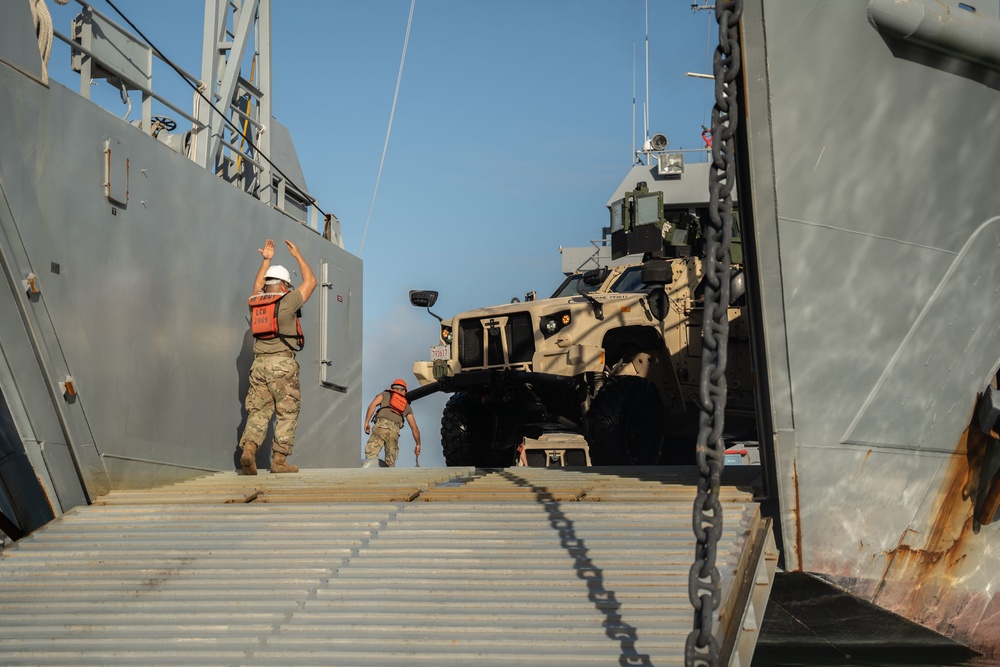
264	319
397	402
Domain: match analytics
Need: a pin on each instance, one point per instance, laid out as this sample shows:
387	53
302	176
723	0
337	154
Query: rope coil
43	32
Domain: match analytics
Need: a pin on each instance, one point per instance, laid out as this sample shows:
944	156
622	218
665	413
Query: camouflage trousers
384	434
274	388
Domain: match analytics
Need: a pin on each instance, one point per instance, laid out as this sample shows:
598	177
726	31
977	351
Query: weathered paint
924	572
797	516
875	274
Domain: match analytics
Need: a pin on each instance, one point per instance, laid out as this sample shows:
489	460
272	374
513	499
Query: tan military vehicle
604	357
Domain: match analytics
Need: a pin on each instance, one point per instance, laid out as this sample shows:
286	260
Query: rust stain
928	570
796	512
890	559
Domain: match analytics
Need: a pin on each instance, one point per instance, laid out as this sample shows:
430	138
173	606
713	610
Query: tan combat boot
279	464
249	459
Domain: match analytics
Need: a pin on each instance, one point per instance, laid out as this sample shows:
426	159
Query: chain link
704	588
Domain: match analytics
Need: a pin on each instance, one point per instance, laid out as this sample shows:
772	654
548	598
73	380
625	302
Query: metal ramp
523	566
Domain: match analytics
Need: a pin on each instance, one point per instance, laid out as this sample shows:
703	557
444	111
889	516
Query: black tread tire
462	424
624	425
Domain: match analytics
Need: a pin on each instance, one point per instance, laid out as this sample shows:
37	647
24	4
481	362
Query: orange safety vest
264	319
397	402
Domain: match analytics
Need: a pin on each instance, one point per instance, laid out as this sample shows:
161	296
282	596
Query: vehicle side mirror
596	276
423	298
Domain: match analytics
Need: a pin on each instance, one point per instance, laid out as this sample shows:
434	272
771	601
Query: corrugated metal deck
522	566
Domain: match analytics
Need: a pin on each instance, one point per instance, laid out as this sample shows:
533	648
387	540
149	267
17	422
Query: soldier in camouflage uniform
390	409
274	375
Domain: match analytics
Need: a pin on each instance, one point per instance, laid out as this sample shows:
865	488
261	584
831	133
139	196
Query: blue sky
512	128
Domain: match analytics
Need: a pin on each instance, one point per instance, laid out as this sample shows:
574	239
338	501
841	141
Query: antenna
695	7
634	156
645	106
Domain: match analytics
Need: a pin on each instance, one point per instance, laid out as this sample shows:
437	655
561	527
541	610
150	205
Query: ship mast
230	25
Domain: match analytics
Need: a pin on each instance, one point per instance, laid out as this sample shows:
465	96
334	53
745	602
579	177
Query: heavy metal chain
704	587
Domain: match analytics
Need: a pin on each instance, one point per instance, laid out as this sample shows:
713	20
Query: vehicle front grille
520	338
475	344
470	343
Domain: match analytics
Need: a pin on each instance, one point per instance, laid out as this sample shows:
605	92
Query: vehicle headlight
553	324
446	335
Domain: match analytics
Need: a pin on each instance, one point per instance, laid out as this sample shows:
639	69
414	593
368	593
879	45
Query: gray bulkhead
874	228
141	306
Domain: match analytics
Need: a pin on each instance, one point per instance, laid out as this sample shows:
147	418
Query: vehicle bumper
491	380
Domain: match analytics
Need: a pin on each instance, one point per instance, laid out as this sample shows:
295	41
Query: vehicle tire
624	425
462	430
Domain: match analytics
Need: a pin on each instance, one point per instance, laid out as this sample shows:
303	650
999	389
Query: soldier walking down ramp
389	409
274	374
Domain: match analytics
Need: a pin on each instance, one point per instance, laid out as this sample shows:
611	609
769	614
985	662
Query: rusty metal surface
522	570
940	570
876	270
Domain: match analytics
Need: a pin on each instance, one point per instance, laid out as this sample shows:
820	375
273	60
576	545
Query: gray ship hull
124	335
873	227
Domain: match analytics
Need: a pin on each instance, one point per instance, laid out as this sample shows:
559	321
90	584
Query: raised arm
308	279
267	252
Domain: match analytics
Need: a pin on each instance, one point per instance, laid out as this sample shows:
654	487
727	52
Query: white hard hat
278	272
